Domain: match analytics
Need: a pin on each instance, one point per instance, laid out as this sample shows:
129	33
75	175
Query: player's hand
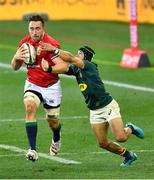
20	55
44	65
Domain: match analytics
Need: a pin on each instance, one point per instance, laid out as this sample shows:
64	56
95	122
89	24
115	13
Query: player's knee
30	107
52	117
121	138
53	114
53	121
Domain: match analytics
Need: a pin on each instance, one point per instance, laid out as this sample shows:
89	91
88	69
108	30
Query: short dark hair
88	52
36	17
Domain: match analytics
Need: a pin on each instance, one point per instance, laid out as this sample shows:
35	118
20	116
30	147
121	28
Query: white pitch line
112	83
42	118
129	86
77	153
54	158
106	152
10	155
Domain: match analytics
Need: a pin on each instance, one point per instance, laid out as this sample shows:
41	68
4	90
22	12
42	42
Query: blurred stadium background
103	25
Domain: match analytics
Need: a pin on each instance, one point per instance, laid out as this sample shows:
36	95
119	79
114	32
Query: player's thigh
32	94
117	127
31	100
52	95
100	130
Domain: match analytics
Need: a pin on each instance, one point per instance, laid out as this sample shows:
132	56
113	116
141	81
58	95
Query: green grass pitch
109	39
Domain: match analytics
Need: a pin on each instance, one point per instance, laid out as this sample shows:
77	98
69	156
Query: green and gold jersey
91	85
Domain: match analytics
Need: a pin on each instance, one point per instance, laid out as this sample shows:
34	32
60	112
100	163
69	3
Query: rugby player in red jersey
40	86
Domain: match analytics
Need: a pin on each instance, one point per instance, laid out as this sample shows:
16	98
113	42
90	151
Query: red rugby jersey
35	74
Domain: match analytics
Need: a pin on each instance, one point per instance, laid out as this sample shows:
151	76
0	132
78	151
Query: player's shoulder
25	39
87	63
90	65
48	38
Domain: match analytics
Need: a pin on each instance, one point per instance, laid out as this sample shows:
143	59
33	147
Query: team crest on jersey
83	86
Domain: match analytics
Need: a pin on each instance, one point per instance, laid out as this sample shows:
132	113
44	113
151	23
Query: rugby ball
31	53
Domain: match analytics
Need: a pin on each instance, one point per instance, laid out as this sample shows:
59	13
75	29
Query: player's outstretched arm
68	57
65	55
18	58
59	68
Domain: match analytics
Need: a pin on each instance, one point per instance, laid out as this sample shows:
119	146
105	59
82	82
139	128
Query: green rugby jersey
91	85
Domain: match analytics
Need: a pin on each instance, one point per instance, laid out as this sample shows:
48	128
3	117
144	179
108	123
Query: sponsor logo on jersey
51	101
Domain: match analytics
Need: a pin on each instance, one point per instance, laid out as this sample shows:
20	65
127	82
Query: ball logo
83	87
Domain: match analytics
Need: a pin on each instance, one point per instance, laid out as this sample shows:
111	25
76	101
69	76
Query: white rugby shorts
105	114
51	95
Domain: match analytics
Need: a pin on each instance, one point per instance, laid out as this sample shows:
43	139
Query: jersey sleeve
20	43
53	42
89	65
53	58
25	39
71	70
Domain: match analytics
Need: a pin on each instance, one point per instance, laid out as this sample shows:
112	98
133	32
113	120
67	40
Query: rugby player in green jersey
104	110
